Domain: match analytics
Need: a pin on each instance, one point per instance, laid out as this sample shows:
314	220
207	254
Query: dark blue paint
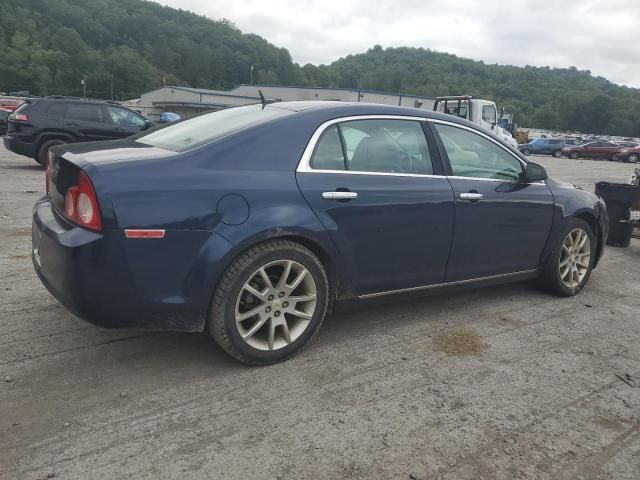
219	199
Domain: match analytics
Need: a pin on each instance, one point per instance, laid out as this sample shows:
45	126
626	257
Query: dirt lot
502	383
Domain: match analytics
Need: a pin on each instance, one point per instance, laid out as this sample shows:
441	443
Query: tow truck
476	110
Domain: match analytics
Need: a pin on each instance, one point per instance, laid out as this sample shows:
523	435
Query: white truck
476	110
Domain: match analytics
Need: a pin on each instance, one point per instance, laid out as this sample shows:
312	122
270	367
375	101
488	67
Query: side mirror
534	173
148	124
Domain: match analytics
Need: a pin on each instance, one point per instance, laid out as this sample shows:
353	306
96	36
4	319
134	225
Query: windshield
198	131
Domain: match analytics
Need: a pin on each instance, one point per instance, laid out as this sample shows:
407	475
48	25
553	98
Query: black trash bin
619	198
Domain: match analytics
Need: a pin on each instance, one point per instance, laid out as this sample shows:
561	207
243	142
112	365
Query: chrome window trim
304	165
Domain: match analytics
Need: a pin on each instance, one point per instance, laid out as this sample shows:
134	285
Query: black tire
557	153
526	151
550	279
573	155
43	152
221	321
633	158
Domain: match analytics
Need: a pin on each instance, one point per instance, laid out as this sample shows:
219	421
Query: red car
629	154
605	150
10	103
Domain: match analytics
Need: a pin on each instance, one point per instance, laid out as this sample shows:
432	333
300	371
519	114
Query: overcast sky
601	36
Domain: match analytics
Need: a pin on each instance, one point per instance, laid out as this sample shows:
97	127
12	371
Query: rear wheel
557	153
573	155
43	153
633	158
569	265
270	303
526	151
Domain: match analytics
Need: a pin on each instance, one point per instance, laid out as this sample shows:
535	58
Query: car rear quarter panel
182	194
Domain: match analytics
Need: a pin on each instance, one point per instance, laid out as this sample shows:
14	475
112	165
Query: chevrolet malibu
251	223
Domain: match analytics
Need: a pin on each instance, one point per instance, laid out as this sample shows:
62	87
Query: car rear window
198	131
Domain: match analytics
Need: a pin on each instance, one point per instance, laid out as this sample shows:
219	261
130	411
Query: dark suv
549	146
41	123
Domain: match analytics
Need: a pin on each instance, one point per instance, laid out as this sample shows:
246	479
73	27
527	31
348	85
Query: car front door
501	223
125	122
377	186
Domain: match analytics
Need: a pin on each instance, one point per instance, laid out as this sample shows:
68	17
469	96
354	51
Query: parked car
605	150
626	144
10	103
252	222
631	154
41	123
548	146
4	114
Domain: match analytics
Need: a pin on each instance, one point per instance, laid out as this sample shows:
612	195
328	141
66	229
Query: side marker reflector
144	233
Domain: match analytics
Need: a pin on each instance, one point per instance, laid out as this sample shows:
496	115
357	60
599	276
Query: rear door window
57	110
85	113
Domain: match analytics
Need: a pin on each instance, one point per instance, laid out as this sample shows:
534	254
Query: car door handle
473	196
339	195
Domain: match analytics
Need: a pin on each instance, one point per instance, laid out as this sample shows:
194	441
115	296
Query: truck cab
476	110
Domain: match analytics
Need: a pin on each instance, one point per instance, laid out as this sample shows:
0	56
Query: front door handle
339	195
472	196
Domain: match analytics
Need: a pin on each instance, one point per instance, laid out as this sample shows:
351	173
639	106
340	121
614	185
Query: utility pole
112	86
84	86
251	77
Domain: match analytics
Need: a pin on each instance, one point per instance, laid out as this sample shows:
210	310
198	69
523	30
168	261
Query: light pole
251	76
84	87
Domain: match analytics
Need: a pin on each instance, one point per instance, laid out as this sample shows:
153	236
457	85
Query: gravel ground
499	383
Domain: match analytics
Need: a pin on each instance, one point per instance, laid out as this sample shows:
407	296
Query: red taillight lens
20	117
81	204
87	213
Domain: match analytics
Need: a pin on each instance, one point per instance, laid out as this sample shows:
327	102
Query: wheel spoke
563	273
303	298
285	274
297	280
285	332
251	313
256	326
265	278
565	261
255	292
305	315
271	334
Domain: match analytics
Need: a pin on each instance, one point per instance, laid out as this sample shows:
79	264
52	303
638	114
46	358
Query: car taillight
81	204
20	117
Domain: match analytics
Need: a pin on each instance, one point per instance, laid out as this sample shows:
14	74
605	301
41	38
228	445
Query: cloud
600	36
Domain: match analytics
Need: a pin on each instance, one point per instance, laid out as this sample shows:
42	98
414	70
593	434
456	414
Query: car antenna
265	101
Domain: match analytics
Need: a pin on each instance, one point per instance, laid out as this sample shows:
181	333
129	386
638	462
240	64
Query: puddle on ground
458	342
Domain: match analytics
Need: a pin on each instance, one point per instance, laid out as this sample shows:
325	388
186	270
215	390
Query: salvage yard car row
568	147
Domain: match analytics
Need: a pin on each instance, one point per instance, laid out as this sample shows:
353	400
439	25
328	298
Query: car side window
472	155
126	118
57	110
85	113
328	154
386	146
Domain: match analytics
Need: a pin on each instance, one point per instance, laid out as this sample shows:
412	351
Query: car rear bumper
90	274
16	145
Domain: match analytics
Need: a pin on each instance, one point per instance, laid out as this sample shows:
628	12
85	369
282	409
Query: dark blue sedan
252	222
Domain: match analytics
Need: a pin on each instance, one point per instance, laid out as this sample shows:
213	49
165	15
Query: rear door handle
473	196
339	195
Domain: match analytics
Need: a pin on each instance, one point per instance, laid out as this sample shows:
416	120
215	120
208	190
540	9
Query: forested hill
129	46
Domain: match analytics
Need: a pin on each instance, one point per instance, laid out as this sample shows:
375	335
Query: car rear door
88	122
501	223
376	184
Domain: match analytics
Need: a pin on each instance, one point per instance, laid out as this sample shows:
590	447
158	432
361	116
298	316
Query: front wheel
573	155
270	303
633	158
569	265
557	153
526	151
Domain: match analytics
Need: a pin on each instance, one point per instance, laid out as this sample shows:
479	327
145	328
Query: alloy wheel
275	305
575	257
557	154
633	158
